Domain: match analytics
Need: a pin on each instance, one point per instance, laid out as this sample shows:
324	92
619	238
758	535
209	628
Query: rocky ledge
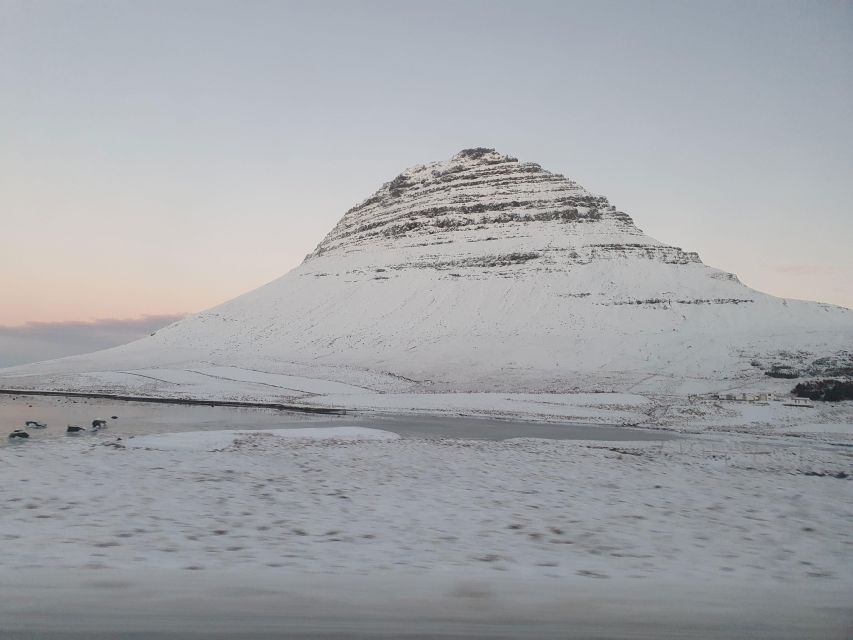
480	207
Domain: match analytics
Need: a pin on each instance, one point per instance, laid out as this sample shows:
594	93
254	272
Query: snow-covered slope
483	273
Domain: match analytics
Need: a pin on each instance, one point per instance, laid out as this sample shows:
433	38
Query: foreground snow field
695	512
688	509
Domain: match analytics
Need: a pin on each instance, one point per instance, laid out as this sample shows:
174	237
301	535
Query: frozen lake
138	418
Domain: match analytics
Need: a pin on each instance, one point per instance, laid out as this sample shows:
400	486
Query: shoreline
185	401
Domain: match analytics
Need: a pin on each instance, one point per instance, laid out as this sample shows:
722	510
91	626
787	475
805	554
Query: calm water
138	418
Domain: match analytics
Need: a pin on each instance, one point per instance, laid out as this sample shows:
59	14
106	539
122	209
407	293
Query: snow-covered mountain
485	273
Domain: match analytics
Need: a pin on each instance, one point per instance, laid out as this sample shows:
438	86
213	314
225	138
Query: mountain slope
485	273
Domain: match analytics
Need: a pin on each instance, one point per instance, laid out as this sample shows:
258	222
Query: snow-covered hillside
483	273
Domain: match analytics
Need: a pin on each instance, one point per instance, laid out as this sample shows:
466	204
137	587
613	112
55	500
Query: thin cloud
36	341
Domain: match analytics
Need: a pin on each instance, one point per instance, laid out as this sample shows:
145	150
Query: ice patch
212	440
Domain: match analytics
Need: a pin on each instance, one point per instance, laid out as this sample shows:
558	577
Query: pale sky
161	157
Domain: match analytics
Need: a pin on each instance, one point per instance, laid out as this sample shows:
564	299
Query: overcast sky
162	157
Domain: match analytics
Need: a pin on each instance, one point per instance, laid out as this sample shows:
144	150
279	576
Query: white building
762	397
798	402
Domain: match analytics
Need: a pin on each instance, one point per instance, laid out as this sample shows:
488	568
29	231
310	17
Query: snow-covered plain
688	509
690	413
707	514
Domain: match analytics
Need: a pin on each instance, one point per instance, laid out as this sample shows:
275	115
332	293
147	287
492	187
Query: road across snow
219	605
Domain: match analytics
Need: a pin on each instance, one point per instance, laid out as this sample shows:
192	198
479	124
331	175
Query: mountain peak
478	194
484	155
